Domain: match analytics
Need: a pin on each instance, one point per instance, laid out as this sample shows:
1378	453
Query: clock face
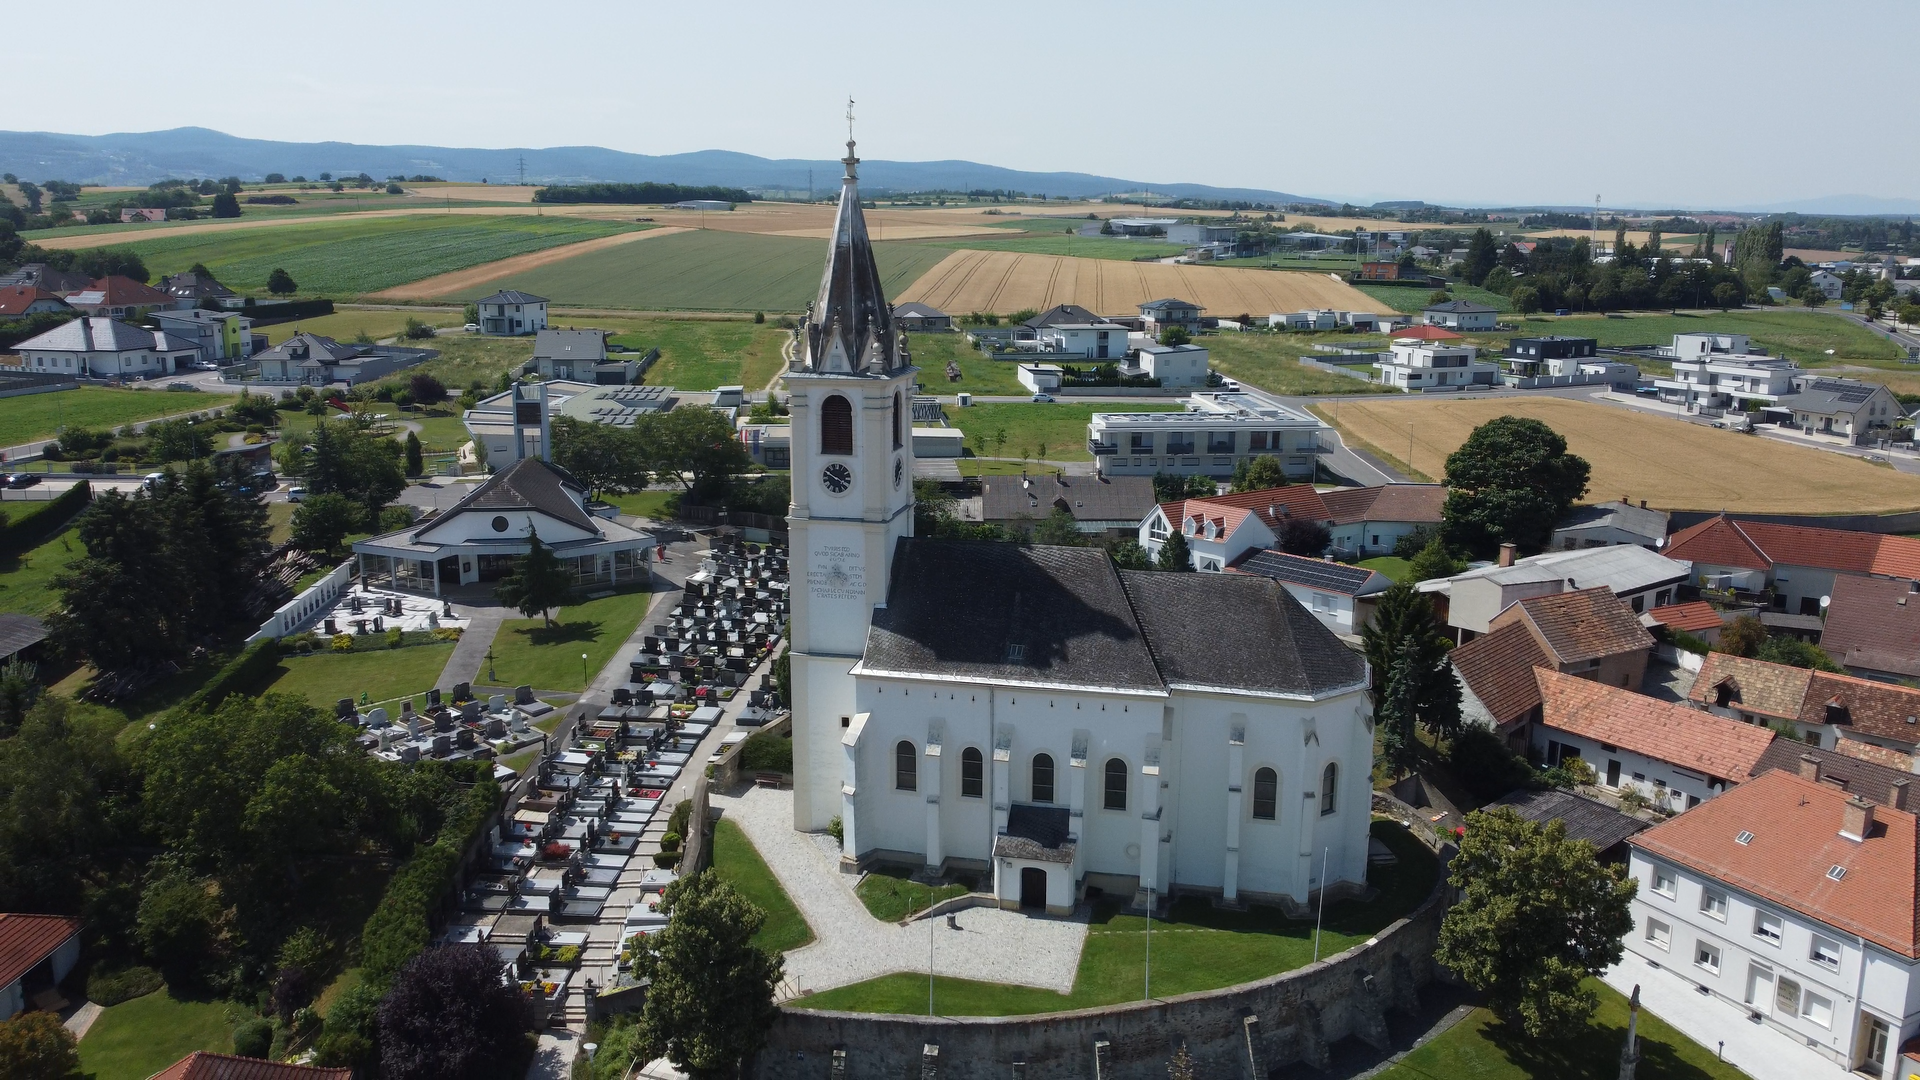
899	471
837	477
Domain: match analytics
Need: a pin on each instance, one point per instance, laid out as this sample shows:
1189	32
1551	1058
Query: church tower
851	382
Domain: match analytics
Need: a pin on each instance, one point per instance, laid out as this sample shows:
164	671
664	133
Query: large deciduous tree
711	998
695	448
37	1046
538	582
450	1017
1511	481
1538	914
1258	473
363	467
322	522
605	459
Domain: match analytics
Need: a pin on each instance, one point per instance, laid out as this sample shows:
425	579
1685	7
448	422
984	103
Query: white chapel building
1033	711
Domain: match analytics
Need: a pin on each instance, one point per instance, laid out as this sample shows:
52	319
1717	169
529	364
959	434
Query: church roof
1064	616
849	328
527	484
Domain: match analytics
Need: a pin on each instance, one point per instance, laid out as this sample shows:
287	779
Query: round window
499	524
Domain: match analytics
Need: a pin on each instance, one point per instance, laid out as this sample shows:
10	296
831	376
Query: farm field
41	416
1007	281
703	271
702	354
1672	464
348	257
1412	301
458	280
1272	362
346	324
1056	432
1041	242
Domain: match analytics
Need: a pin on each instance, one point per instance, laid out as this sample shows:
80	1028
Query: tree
1058	529
1175	335
322	522
1258	473
364	467
1173	553
1538	914
1512	480
1744	636
604	458
19	689
695	448
37	1046
1433	561
1405	633
1397	712
62	774
1129	555
281	283
179	925
538	582
1482	255
710	1001
1305	536
1526	299
1726	295
1793	652
449	1017
415	463
226	205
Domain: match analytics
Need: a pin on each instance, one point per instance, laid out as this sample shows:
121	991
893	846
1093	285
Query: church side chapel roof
1036	834
1065	616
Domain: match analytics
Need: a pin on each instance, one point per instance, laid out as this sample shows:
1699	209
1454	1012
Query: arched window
896	422
906	767
1042	778
973	773
836	426
1266	794
1329	782
1116	784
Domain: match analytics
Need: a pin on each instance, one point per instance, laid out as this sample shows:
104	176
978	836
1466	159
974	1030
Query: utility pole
1630	1053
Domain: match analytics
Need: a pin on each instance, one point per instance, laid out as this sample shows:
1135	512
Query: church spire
849	326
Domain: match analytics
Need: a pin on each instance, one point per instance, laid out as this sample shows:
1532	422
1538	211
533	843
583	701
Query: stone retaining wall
1242	1031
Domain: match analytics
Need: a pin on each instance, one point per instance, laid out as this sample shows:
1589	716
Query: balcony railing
1100	449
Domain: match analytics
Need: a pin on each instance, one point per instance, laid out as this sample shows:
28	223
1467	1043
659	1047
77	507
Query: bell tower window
896	422
836	426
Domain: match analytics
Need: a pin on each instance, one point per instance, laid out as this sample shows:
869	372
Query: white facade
1091	341
1461	316
521	316
1208	439
1829	284
1663	784
136	363
1178	366
1410	366
1039	378
1723	381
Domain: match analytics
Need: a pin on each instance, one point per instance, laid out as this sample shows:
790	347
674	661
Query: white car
1043	399
295	494
472	328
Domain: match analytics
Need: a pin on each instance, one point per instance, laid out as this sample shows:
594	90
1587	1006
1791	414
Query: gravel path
852	946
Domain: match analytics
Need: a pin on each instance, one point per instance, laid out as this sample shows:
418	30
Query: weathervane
849	118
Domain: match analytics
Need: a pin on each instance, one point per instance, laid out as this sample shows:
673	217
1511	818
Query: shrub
666	860
837	829
766	752
677	821
1689	643
342	643
1484	764
670	842
254	1038
108	987
399	927
394	634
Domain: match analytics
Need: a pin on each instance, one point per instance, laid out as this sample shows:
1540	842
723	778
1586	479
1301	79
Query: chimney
1857	819
1897	794
1507	552
1809	768
1643	504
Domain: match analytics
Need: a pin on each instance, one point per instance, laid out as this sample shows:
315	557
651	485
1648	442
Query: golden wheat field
1672	464
1006	281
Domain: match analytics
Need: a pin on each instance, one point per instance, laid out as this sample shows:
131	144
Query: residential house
1873	627
120	297
1672	755
1792	902
1368	521
1386	271
19	301
1641	579
1531	357
1792	565
1861	411
1609	523
1057	315
223	337
921	318
1695	617
1111	506
207	1065
1221	529
102	348
1497	688
1829	284
1304	320
1176	366
1167	312
200	289
1342	596
1860	718
1722	371
36	954
1460	315
1413	366
1089	341
512	313
580	356
316	360
40	275
1210	438
1607	829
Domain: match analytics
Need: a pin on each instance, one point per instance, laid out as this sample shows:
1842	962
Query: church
1034	714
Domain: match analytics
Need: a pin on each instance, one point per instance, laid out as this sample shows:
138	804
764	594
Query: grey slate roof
1168	302
20	632
91	333
1598	824
1637	520
1831	397
914	309
1318	574
570	345
1036	833
1062	314
1239	632
317	346
513	296
527	484
1464	307
1087	498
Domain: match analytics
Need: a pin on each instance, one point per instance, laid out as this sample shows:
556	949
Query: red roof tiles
16	299
202	1065
1581	625
1691	617
1271	505
25	940
1385	502
1874	623
1881	710
1714	745
1498	668
1759	545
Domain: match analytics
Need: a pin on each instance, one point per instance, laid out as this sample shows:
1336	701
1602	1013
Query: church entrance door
1033	888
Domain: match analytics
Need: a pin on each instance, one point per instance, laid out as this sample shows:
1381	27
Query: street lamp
583	671
491	677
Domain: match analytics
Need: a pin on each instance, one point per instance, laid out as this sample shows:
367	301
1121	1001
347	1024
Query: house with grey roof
1101	505
97	347
921	318
200	289
1460	315
1341	595
1170	311
512	313
1608	523
1857	411
581	356
219	336
318	360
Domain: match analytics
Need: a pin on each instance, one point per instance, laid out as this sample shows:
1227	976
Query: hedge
402	925
250	668
31	530
266	313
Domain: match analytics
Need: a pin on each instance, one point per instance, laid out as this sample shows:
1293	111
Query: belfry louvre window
836	426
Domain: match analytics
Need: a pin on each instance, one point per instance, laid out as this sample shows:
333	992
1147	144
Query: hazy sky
1679	102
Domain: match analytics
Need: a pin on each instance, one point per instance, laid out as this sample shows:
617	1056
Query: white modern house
1791	901
94	346
1411	365
1209	438
1461	315
511	313
1176	366
220	336
1040	378
1088	341
1720	371
1342	596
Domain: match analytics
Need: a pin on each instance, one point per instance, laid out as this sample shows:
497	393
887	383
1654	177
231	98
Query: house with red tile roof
204	1065
1223	528
36	953
1798	563
17	301
1865	718
1497	687
1873	627
120	297
1587	634
1794	903
1674	756
1369	521
1696	617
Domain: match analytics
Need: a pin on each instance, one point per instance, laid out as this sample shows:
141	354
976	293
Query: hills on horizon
141	158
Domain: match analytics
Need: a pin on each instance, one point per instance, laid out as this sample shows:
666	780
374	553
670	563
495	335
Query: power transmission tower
523	170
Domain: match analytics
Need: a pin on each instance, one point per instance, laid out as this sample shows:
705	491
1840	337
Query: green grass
345	324
1412	300
440	433
890	897
700	354
1209	949
26	580
464	360
705	270
1271	361
1394	569
381	674
364	255
41	416
978	375
646	504
1485	1049
1803	336
135	1039
1057	243
1061	427
527	653
740	866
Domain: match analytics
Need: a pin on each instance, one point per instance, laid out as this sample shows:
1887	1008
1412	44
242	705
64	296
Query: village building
96	347
511	313
1791	567
316	360
36	954
1470	601
1370	521
1106	506
1872	627
1221	529
1861	718
1588	633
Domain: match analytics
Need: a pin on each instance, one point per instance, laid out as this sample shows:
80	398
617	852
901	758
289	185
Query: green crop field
363	255
41	416
346	324
700	354
1080	247
1411	300
1055	432
1271	361
705	270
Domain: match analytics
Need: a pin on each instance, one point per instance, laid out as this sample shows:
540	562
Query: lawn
464	360
646	504
1207	950
740	866
891	897
351	257
700	354
1802	335
1411	300
705	270
1672	464
346	324
1055	432
1484	1048
380	674
1394	569
1271	361
41	416
978	375
135	1039
26	580
1042	242
528	653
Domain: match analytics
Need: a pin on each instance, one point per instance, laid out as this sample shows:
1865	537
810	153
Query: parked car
295	494
1044	399
472	328
152	480
22	480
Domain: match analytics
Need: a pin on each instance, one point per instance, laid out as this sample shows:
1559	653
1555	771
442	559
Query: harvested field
1005	281
1672	464
499	193
462	280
